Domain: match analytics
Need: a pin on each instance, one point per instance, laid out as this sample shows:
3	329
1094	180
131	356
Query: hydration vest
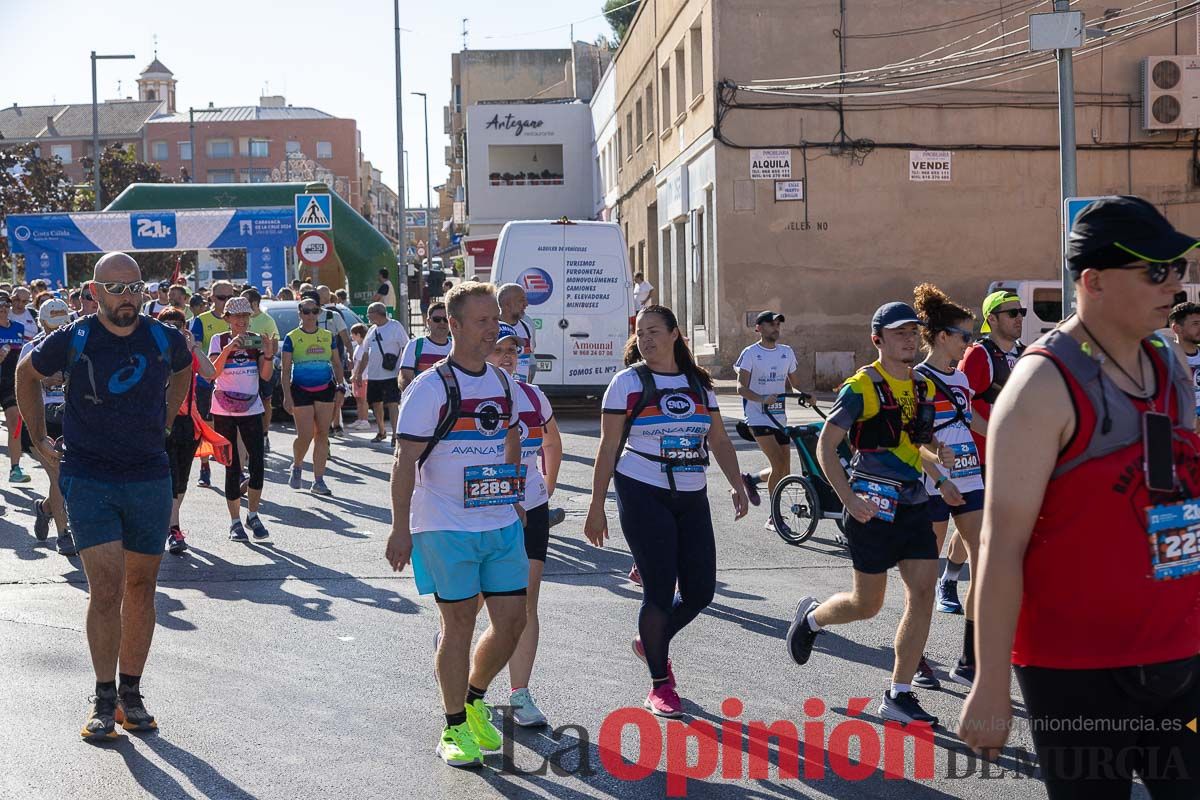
882	431
1000	369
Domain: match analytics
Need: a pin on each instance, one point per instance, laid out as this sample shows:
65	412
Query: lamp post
406	187
192	134
428	207
96	124
400	191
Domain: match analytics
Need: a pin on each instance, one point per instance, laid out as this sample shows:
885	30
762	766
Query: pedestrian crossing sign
314	212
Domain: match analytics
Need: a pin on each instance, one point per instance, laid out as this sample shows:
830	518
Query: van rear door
531	256
597	303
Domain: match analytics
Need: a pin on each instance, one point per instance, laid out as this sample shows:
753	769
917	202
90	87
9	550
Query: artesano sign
510	123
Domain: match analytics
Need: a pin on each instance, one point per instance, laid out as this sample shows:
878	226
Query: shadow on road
158	783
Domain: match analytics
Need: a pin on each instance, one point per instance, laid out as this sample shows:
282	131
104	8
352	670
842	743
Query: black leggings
181	451
251	429
671	538
1141	711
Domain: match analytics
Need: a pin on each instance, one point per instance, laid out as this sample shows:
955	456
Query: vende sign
769	165
929	165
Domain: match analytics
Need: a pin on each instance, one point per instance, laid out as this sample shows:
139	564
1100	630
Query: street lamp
192	134
406	186
428	206
96	124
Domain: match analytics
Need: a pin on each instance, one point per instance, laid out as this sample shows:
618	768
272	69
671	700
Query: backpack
882	431
454	410
959	411
651	395
1000	369
84	329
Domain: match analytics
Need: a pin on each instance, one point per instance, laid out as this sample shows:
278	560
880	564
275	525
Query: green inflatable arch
361	249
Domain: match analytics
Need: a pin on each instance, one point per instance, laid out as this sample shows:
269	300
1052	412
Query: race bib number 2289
493	485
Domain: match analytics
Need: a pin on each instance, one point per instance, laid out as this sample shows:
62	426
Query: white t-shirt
953	431
388	293
524	328
360	352
439	502
235	392
769	369
431	353
331	320
51	395
641	293
535	412
154	308
392	338
28	320
678	415
1193	362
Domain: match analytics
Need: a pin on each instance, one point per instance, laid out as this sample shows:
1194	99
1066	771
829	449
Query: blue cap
893	315
506	331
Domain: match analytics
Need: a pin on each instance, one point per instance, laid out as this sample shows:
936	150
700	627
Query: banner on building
769	165
929	165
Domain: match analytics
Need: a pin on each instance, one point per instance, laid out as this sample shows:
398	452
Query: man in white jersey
513	303
423	352
765	369
1185	324
456	484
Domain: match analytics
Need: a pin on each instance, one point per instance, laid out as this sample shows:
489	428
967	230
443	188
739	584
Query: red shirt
976	364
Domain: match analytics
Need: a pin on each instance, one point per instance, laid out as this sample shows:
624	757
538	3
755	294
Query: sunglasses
112	287
1158	271
967	336
437	319
87	298
310	311
222	297
1012	313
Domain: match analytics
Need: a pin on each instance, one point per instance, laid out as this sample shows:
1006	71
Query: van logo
537	285
678	406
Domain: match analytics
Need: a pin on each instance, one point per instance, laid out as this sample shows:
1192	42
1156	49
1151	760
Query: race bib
774	408
966	460
493	485
678	448
884	494
1174	534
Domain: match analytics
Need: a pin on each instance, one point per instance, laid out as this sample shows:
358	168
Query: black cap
1115	231
893	315
767	316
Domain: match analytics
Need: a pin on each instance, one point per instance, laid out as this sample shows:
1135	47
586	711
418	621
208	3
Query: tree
619	19
119	168
31	185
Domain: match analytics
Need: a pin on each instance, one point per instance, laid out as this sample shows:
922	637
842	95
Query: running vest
1000	369
882	430
1090	598
651	396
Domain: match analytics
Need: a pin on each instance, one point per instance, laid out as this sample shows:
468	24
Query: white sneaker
359	425
525	711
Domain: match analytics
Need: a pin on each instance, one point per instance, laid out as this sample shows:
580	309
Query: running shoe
41	520
102	723
175	541
395	441
319	487
359	425
257	528
338	431
963	673
525	711
751	488
479	720
925	677
458	747
800	637
947	597
66	544
379	437
17	475
663	701
904	708
237	533
640	652
205	476
557	515
295	481
132	713
634	575
244	487
770	525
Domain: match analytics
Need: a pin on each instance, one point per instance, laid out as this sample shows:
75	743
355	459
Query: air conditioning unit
1170	92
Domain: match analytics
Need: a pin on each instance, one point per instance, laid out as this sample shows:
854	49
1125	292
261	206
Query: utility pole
96	130
1068	182
400	192
428	205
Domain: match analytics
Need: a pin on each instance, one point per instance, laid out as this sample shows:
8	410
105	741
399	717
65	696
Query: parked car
286	314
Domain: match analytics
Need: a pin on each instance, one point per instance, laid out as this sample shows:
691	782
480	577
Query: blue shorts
457	565
939	511
136	514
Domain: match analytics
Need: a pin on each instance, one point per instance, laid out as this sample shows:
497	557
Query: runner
53	315
205	326
540	440
643	295
160	299
513	303
1098	425
22	314
423	352
310	365
264	325
888	416
385	343
453	514
764	370
114	473
1185	325
12	337
333	322
957	491
177	298
241	360
358	332
660	421
87	301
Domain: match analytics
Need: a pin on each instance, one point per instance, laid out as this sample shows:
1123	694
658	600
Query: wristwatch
940	481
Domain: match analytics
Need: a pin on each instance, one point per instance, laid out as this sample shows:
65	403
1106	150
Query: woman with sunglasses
958	491
310	365
12	337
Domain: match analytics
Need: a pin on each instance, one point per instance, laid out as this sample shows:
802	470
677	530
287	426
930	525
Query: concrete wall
515	75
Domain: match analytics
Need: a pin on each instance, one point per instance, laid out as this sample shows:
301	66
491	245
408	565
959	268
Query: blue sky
335	56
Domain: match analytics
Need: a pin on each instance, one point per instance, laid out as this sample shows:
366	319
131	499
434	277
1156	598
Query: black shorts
204	400
303	397
878	546
385	391
940	511
181	451
769	430
267	388
8	394
537	532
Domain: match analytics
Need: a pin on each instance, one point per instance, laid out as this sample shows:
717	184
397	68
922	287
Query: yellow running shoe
479	718
458	747
101	725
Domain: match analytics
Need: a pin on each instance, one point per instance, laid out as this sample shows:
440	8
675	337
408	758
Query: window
1047	304
525	164
324	149
222	176
259	148
292	146
185	151
62	152
220	148
629	134
649	110
256	175
159	151
619	153
697	61
680	83
666	97
458	98
638	119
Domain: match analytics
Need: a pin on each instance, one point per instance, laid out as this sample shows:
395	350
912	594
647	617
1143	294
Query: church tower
157	83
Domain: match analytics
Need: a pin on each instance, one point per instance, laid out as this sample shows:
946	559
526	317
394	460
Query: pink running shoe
635	576
640	652
664	702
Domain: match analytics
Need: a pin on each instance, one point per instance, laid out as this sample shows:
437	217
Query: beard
123	316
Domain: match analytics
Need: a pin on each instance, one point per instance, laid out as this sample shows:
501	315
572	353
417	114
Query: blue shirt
12	335
114	428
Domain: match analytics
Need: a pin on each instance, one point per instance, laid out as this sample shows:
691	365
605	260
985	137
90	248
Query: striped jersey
535	412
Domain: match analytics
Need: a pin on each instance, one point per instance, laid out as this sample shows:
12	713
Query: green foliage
620	20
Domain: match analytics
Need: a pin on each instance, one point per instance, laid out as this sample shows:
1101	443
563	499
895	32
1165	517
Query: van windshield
1047	304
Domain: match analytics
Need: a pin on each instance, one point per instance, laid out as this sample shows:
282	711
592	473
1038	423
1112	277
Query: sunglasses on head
967	336
114	287
1158	271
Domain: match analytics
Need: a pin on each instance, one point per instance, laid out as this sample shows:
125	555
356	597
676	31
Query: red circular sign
313	247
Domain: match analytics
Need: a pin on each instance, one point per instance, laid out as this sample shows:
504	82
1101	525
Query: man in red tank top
1093	466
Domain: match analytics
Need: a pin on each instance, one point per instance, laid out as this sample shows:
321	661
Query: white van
576	276
1044	301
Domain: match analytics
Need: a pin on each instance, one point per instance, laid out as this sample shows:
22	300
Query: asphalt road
302	668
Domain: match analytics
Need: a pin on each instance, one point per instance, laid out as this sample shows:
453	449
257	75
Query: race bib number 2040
493	485
1174	533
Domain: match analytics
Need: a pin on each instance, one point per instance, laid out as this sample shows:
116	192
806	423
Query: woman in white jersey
659	424
539	436
957	491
